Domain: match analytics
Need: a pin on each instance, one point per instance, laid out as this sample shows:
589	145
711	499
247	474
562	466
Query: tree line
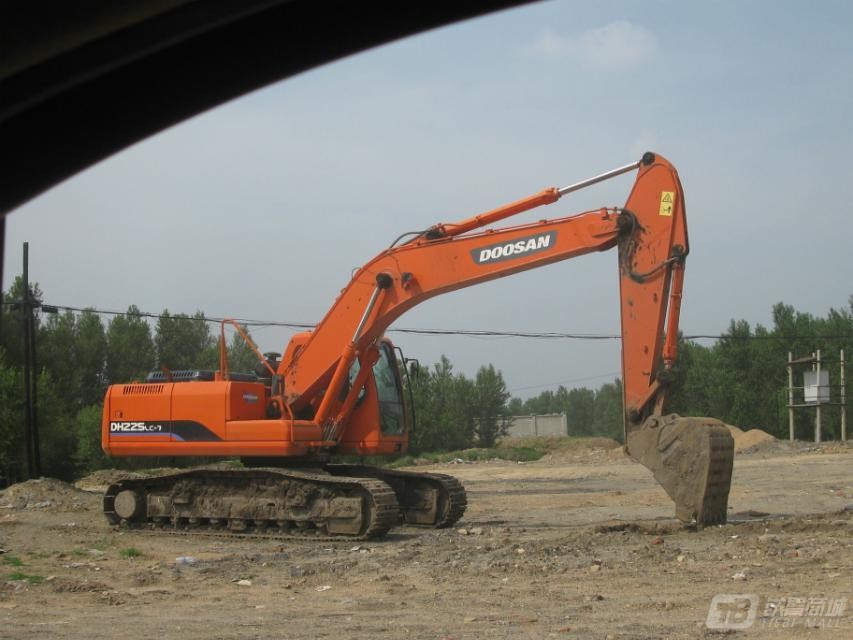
739	379
742	378
77	357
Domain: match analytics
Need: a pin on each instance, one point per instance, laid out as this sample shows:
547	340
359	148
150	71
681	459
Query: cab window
391	413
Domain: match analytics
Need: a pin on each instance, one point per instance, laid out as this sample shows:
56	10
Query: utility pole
28	401
843	401
790	398
31	439
817	406
34	393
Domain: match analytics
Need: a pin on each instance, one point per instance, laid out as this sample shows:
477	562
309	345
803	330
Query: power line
550	384
511	334
481	333
158	316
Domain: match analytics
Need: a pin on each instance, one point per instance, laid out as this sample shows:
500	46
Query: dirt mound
561	449
751	439
560	443
836	446
100	480
617	453
45	493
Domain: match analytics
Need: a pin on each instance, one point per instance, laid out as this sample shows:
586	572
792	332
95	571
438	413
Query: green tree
73	349
741	379
57	441
12	320
443	408
90	354
608	412
489	398
516	407
130	348
587	412
87	433
57	350
545	402
184	342
11	415
580	411
241	357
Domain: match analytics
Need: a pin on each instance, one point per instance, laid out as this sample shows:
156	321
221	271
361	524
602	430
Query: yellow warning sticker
666	202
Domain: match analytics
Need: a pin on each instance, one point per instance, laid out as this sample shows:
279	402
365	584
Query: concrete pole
843	401
28	387
790	398
817	410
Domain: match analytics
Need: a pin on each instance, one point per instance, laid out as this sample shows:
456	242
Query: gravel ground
579	548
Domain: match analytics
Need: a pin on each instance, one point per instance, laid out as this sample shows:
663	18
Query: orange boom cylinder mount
340	388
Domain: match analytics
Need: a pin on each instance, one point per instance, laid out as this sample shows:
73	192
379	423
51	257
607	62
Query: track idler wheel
691	458
129	505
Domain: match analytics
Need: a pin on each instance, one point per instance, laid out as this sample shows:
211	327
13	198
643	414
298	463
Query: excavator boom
693	460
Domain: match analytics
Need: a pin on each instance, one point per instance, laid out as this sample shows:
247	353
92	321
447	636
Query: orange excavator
339	389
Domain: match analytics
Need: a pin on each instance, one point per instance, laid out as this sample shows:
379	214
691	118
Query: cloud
616	46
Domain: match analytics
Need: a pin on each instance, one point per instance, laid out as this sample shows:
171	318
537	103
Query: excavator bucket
691	458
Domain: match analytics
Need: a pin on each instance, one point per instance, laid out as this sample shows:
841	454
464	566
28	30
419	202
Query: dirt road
540	554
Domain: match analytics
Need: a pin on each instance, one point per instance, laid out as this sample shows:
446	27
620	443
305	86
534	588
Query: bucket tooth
691	458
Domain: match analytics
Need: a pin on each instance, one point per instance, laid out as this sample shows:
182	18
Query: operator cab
385	395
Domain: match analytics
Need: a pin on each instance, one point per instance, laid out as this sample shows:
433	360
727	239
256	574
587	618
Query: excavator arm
690	457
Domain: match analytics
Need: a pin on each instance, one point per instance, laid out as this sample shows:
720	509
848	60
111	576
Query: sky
262	208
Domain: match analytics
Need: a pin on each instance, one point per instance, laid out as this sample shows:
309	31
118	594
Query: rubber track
384	510
450	488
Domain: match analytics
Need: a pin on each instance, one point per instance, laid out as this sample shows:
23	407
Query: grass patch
20	575
13	561
524	449
104	543
130	552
